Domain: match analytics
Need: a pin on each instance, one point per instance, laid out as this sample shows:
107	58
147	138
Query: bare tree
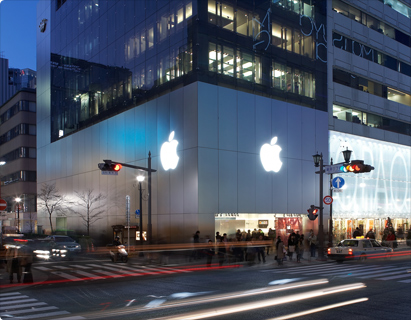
92	210
51	201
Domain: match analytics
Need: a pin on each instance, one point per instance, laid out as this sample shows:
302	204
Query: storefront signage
265	33
168	153
308	26
289	215
270	156
226	215
262	223
322	56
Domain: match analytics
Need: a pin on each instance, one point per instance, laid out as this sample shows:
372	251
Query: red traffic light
315	211
117	167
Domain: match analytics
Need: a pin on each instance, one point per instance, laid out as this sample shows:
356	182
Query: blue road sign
338	182
137	214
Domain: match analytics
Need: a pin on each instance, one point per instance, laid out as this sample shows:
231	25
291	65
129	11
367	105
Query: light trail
311	311
265	303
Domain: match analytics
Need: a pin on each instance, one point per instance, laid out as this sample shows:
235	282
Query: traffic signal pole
149	170
321	207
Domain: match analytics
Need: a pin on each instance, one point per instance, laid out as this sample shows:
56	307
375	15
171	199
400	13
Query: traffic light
312	212
109	168
358	166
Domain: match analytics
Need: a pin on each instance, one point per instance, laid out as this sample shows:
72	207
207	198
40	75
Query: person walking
370	234
312	240
357	233
261	249
300	249
210	252
280	251
13	263
291	245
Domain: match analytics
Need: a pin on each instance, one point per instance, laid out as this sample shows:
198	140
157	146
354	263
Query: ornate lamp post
318	162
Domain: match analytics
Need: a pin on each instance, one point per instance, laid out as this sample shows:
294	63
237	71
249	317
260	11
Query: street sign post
336	168
3	204
328	200
338	182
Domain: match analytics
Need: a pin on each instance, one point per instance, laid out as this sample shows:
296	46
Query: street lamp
141	179
18	213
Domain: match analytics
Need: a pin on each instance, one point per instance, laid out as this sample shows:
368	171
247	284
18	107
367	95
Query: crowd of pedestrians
252	247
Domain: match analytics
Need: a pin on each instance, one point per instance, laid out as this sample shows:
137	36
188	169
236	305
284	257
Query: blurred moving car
65	242
358	249
46	249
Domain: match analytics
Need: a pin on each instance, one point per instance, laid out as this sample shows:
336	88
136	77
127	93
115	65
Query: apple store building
231	109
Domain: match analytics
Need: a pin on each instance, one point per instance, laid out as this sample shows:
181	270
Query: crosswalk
400	273
94	271
21	306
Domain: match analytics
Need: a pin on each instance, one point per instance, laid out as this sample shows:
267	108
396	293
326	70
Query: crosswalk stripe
72	318
405	281
381	274
28	310
314	266
120	267
89	275
9	294
42	268
43	315
355	273
101	266
67	276
19	306
334	270
9	298
79	266
107	273
396	277
62	267
20	301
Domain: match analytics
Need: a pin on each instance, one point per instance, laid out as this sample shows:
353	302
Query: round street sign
328	200
3	204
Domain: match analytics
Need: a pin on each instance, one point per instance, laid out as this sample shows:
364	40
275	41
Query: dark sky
18	32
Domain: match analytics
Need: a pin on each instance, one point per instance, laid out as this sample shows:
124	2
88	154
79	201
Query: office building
224	82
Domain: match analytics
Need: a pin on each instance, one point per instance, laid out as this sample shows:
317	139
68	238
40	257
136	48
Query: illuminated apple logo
168	153
270	156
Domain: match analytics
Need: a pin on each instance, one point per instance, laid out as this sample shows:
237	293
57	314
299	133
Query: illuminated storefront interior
367	200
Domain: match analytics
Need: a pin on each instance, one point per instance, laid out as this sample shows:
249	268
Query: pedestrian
222	249
312	240
217	237
390	239
13	263
370	234
210	252
280	251
261	249
196	241
26	260
271	238
300	249
357	233
291	245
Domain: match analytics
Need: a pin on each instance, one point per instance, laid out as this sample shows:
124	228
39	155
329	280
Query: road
99	289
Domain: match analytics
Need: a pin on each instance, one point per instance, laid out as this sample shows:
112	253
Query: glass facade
110	56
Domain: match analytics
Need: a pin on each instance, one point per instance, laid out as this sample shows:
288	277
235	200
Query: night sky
18	32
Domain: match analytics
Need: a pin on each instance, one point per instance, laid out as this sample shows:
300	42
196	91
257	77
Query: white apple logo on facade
168	153
270	156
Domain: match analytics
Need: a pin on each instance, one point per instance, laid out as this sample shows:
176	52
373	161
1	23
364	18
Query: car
65	242
358	249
